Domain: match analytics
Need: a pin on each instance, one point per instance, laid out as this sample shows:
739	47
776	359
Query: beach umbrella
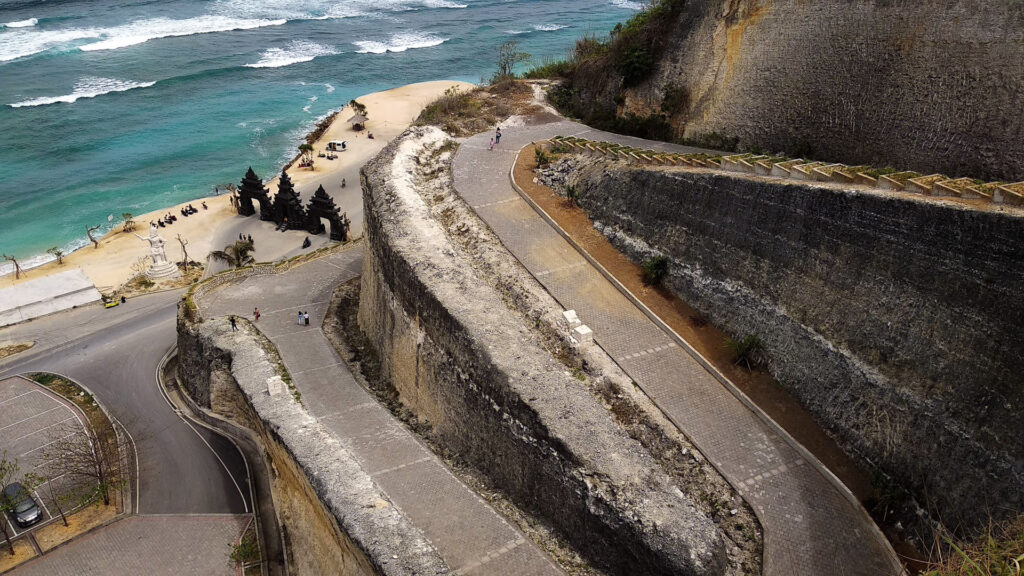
357	119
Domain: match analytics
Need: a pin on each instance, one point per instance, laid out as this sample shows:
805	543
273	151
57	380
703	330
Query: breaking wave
88	87
399	43
628	4
549	27
295	52
21	23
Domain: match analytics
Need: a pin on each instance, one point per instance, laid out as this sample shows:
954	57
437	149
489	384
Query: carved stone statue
160	268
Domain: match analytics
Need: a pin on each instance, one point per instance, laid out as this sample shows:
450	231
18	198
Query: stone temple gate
252	189
322	206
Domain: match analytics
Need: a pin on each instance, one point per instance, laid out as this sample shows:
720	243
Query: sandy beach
390	112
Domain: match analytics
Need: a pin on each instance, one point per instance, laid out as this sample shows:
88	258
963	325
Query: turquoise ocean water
111	106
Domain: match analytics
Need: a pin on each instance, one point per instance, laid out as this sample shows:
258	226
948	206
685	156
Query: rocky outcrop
895	321
348	525
479	377
925	85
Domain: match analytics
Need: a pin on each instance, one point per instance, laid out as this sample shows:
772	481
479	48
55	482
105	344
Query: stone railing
939	185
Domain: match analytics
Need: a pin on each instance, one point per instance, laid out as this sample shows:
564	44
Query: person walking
256	314
300	318
234	325
497	135
491	147
305	317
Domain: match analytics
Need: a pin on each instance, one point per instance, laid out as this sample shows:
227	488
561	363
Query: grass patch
463	112
998	551
747	351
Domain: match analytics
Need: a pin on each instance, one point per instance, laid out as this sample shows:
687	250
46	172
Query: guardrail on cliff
936	185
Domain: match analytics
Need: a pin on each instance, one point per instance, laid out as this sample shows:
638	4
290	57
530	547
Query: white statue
156	246
160	268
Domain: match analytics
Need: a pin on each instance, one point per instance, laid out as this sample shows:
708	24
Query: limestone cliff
928	85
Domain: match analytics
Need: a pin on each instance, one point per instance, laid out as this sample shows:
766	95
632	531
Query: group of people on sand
169	218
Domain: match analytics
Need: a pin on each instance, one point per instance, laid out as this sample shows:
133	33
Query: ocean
112	106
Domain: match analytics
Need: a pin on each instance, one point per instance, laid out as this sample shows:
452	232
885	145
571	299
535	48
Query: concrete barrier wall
475	373
346	525
895	321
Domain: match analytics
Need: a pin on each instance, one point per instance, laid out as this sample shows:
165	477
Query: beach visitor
497	135
250	239
491	147
342	182
204	205
234	326
300	318
305	317
256	314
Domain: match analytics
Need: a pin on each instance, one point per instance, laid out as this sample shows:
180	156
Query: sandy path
390	113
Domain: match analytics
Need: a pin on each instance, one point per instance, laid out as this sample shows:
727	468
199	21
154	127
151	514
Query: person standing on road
497	136
234	326
300	318
491	147
305	317
256	314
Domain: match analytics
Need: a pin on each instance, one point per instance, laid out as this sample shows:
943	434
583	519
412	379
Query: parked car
25	510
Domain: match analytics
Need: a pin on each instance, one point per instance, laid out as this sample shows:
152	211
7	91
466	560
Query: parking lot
32	418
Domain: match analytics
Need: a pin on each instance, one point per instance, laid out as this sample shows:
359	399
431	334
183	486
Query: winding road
115	353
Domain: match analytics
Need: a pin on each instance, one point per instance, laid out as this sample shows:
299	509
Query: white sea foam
516	32
28	41
549	27
22	23
442	4
145	30
399	43
330	88
88	87
628	4
295	52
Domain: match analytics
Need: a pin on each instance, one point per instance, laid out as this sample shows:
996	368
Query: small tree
88	456
184	252
57	498
307	152
89	231
56	253
17	267
236	255
508	56
129	222
359	108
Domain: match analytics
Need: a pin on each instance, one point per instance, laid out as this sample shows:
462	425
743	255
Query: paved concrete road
810	526
149	545
471	537
114	353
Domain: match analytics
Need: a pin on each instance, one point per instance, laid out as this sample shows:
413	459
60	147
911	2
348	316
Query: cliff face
928	85
896	322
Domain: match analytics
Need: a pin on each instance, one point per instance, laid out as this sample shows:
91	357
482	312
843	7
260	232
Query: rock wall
477	375
337	519
928	85
895	321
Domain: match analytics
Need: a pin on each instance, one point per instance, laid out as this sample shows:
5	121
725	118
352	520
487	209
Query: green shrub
655	269
747	351
634	62
552	69
541	157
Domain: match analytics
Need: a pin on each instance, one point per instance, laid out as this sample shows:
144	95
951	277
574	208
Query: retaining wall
349	526
895	321
490	393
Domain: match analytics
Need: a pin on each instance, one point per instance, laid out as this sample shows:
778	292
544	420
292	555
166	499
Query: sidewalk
810	526
470	536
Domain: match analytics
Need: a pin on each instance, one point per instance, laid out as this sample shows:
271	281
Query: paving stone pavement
470	536
154	545
811	528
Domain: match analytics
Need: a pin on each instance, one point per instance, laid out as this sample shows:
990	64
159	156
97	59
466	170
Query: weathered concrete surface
371	535
929	85
494	396
895	321
46	295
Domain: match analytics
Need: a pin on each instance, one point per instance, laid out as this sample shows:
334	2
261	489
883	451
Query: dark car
24	508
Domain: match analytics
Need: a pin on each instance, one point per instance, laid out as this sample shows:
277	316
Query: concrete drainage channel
268	533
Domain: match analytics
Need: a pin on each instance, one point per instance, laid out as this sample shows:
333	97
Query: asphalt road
115	352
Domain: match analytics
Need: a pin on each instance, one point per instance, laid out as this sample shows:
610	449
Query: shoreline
391	111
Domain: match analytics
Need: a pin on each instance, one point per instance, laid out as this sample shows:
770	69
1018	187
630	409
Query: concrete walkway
810	526
470	536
